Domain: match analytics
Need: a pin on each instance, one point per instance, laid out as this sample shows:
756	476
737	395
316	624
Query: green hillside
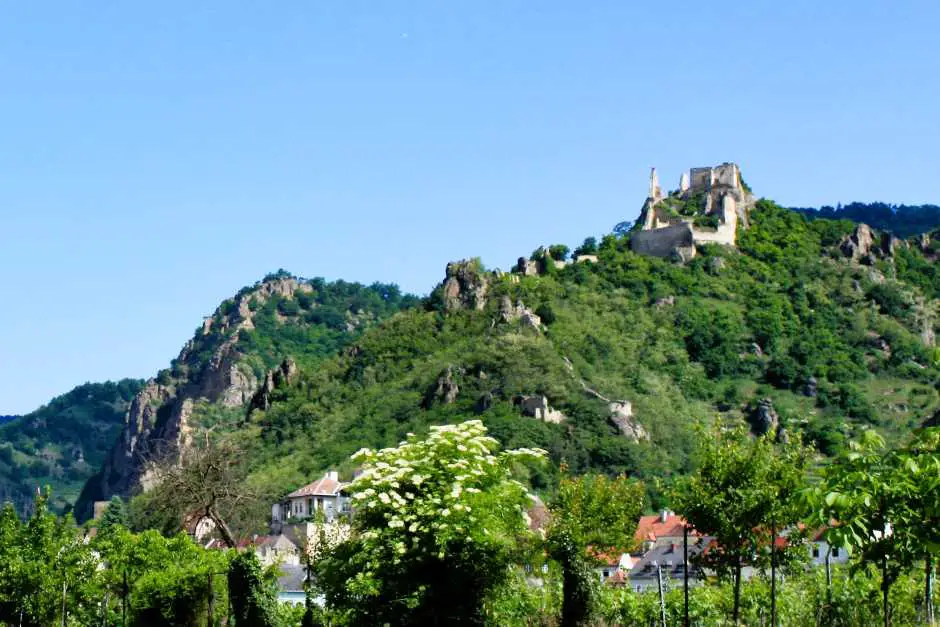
785	333
62	443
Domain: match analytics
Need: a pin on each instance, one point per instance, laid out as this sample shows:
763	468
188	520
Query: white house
818	548
322	496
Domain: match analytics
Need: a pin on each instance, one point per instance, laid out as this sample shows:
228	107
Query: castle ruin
707	208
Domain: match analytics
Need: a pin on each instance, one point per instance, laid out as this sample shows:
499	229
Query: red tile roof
652	527
325	486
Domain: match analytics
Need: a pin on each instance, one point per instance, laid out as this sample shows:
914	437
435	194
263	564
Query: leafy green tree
592	513
886	507
744	488
436	530
587	247
558	252
254	598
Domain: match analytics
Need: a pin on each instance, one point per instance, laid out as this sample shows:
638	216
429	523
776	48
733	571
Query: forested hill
902	220
62	443
813	327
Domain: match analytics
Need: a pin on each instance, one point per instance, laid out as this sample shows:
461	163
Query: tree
587	247
254	599
558	252
885	505
622	228
744	488
590	513
437	525
114	514
207	479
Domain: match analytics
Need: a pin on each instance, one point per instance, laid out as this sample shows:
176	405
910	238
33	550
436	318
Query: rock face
858	245
445	390
765	418
157	424
621	414
465	286
538	407
278	377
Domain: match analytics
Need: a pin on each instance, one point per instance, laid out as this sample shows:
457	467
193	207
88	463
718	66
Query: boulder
484	402
665	301
621	415
811	387
764	418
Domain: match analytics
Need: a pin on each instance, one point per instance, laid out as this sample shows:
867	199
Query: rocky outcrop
274	379
857	245
445	389
864	244
537	407
811	387
465	285
764	418
508	313
621	415
157	424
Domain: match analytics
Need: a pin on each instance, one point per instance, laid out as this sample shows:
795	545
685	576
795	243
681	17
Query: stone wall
662	242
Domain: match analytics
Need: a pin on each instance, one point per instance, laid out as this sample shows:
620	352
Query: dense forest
902	220
62	443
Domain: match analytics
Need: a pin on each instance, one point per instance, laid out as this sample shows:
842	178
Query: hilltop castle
707	208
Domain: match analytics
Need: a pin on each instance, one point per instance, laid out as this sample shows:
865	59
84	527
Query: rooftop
328	485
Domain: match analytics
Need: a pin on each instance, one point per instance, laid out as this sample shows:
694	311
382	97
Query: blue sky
156	157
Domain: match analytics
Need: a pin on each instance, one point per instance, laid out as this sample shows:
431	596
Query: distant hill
62	443
4	419
814	327
901	220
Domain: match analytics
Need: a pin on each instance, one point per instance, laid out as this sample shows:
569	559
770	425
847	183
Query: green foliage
254	597
115	514
590	515
744	490
435	531
558	252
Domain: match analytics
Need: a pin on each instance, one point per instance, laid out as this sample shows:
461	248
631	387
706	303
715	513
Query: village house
662	529
324	496
666	561
818	548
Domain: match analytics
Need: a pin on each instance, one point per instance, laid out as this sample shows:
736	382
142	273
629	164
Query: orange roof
619	578
326	486
652	527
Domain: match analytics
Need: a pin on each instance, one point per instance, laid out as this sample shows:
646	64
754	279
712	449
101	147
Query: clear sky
156	157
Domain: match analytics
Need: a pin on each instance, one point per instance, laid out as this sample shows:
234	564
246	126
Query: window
815	550
835	551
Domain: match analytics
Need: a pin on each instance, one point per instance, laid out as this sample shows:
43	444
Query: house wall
818	552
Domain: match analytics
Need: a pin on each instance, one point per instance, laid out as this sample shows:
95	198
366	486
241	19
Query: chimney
664	515
332	475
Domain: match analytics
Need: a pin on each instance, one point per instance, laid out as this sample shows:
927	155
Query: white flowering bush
435	526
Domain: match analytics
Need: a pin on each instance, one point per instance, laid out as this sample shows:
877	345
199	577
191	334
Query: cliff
227	362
